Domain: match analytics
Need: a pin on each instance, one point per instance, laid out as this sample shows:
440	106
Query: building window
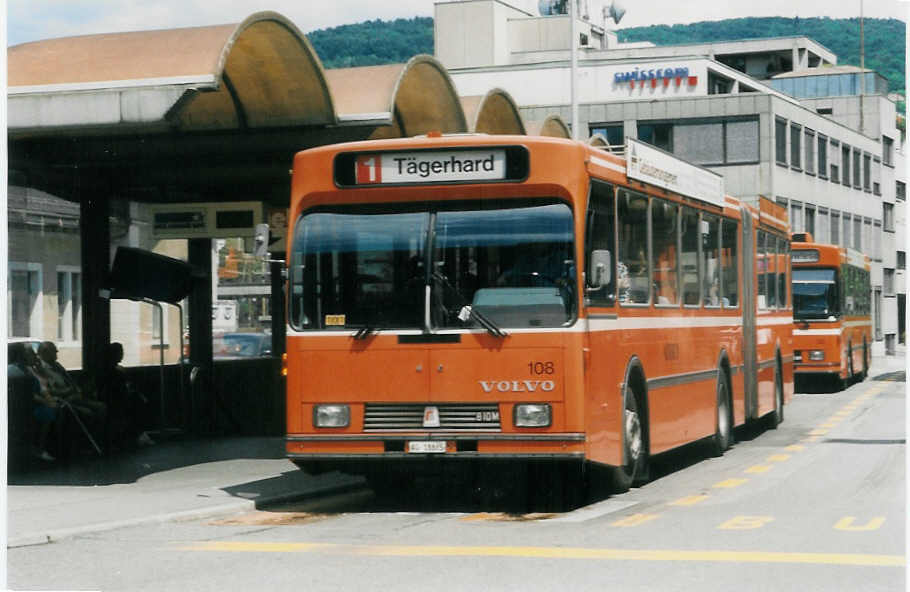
810	152
780	140
796	133
845	164
888	281
867	172
900	191
876	175
887	151
24	300
822	156
888	216
809	225
835	228
835	161
857	233
902	260
796	211
701	143
856	170
612	132
847	232
741	141
657	134
69	304
822	226
706	142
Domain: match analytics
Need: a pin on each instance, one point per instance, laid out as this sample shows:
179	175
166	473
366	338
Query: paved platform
184	478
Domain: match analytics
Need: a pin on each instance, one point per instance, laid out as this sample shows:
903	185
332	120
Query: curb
234	507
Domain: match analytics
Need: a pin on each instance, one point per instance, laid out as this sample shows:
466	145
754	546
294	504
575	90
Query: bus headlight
331	416
817	355
797	356
533	415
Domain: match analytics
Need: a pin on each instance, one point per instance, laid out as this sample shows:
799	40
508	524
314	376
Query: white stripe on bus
608	165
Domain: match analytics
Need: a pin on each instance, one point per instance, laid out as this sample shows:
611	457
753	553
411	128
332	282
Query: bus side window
689	257
632	268
711	261
600	275
729	264
664	218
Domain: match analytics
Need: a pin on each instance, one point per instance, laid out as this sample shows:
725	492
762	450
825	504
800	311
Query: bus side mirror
261	241
601	269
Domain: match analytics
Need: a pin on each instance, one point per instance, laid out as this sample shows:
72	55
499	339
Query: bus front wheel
635	455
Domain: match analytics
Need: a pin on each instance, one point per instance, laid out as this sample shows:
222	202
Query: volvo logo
517	386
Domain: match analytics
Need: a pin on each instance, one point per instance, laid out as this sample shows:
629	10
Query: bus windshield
815	294
509	262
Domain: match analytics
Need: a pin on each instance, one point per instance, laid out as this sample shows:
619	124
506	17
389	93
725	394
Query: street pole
573	50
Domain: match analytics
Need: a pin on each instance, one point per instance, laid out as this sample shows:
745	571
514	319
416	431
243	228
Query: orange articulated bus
527	301
831	310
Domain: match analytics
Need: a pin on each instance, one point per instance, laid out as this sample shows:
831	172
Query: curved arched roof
552	126
417	96
493	113
259	73
598	141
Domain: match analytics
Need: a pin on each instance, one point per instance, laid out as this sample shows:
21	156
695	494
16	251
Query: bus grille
452	418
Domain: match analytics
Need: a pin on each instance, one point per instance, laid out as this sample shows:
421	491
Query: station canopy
215	113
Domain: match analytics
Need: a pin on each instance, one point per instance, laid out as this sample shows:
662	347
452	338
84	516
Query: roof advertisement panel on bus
395	168
651	165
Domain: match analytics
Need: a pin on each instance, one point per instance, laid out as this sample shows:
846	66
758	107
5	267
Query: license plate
427	447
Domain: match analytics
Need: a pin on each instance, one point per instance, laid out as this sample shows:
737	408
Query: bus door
750	361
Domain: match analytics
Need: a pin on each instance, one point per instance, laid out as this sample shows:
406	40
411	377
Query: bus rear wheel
777	416
723	427
634	445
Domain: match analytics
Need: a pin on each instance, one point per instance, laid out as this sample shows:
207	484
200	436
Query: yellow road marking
759	469
778	457
745	522
795	447
553	553
818	432
635	520
730	483
829	424
689	501
846	523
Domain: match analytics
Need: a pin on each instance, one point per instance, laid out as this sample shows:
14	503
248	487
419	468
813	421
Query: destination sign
383	168
804	255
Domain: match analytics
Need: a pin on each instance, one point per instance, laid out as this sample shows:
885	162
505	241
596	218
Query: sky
32	20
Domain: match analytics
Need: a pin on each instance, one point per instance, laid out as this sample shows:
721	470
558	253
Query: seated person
59	384
125	403
23	366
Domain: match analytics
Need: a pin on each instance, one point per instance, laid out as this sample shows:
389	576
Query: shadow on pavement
129	466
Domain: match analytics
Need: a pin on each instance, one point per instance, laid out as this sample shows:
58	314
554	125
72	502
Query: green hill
388	42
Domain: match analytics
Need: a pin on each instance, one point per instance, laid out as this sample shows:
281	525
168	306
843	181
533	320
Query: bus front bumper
330	450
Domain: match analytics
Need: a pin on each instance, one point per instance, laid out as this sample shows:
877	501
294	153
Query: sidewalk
171	480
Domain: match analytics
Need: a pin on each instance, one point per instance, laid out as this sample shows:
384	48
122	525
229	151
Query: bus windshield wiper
364	332
468	311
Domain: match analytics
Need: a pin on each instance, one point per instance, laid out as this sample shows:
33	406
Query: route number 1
369	169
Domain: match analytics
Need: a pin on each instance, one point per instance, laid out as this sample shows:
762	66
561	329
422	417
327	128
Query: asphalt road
817	504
